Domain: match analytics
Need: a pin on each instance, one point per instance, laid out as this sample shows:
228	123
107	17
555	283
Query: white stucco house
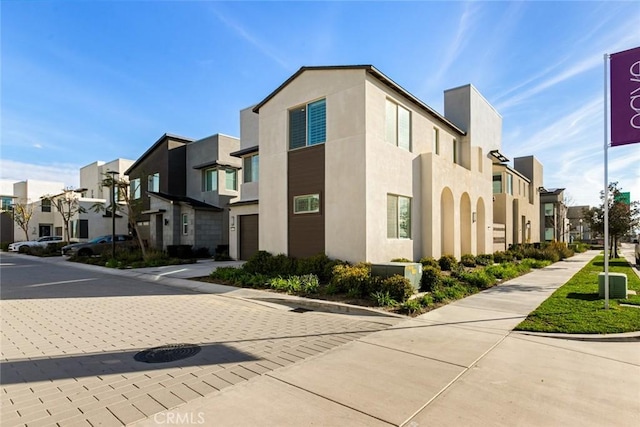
352	165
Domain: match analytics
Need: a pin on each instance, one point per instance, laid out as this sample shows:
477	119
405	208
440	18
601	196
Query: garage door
248	236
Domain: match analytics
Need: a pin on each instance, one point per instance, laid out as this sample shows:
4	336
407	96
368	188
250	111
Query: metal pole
113	213
606	188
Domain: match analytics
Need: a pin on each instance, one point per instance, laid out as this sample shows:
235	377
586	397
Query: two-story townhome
184	187
516	201
553	216
354	166
243	211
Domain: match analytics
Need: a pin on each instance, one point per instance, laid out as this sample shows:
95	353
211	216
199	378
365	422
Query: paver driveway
69	338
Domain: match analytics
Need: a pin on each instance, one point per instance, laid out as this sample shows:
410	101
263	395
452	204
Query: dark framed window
308	125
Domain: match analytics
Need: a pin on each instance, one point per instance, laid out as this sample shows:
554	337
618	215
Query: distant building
578	228
553	216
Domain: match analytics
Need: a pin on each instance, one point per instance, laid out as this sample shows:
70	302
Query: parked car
41	242
99	245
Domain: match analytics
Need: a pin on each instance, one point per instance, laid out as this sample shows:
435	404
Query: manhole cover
167	353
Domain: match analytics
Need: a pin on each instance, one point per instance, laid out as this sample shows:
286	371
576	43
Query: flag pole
606	189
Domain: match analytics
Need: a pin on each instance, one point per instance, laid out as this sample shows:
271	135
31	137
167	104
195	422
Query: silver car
98	245
41	242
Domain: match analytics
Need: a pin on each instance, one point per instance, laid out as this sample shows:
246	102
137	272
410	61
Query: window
84	229
398	125
134	189
548	233
456	151
548	209
497	183
436	141
210	180
308	125
510	184
185	224
251	168
398	217
6	203
153	182
309	203
46	205
231	179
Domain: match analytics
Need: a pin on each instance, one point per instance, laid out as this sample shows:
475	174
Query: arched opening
447	231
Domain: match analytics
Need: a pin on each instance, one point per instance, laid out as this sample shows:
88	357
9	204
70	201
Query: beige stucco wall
362	168
234	230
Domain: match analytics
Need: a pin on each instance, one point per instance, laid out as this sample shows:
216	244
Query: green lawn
576	308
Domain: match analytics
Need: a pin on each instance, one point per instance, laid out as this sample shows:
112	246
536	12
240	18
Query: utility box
410	270
617	285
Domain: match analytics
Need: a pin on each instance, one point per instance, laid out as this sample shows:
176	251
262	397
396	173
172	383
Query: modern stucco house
354	166
553	216
183	187
516	201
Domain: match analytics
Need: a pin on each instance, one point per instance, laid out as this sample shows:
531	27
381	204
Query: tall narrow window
251	168
153	182
308	125
231	181
185	224
497	183
398	217
510	184
210	180
46	205
456	154
436	141
134	189
398	125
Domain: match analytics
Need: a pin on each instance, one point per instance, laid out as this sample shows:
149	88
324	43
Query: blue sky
89	80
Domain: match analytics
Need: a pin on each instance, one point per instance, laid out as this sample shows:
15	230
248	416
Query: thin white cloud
243	33
458	42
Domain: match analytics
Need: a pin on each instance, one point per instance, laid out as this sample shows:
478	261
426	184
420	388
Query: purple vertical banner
625	97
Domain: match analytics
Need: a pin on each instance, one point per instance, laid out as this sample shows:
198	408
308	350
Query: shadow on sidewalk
109	363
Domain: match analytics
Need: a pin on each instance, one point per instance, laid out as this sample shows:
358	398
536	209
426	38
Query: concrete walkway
458	365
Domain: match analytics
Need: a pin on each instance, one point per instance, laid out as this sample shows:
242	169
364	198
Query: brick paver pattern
69	361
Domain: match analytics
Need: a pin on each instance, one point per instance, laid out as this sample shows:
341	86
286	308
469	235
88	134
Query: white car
42	242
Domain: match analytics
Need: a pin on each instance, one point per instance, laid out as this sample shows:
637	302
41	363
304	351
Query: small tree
622	217
133	208
67	205
21	214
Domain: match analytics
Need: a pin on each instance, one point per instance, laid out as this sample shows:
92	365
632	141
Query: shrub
231	275
504	271
454	292
535	263
500	257
468	260
447	262
484	259
430	278
353	279
411	306
398	287
429	262
383	299
426	300
263	262
4	246
309	283
320	265
401	260
479	279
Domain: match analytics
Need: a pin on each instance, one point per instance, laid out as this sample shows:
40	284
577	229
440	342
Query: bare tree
68	205
21	214
133	208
